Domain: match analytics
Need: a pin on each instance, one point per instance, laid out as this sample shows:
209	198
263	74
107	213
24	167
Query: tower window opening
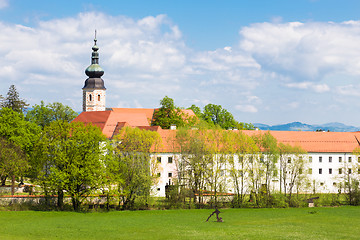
99	97
90	97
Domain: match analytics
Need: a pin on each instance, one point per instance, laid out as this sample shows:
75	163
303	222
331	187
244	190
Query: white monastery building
329	154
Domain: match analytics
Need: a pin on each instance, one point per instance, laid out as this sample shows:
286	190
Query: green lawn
291	223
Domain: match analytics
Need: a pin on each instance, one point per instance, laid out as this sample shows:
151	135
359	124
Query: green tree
195	158
169	114
13	161
19	134
16	129
13	101
350	178
196	110
130	168
70	160
267	162
217	115
241	149
43	115
292	169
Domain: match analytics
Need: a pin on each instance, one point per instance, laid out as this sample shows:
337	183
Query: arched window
99	97
90	97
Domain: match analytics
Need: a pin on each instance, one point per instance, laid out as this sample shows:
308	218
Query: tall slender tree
13	101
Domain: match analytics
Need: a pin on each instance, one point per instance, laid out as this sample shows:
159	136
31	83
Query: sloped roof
110	121
149	112
312	142
331	142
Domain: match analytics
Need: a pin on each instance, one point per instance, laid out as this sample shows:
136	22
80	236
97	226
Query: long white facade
322	173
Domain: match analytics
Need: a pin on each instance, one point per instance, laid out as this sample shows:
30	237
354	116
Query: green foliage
169	114
43	115
13	160
196	110
14	128
128	171
68	157
215	115
13	101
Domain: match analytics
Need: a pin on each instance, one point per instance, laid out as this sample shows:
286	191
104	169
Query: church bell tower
94	91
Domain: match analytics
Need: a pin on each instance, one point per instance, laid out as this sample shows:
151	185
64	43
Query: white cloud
246	108
304	50
146	59
319	88
349	90
4	3
55	54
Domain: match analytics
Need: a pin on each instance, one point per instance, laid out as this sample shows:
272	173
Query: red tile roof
149	112
331	142
110	122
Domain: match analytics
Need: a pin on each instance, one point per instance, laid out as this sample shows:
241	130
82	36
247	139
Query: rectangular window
158	189
320	159
320	170
340	170
330	159
349	170
289	159
310	159
159	159
359	159
358	170
334	184
330	170
310	170
321	184
349	159
170	159
170	174
340	159
158	174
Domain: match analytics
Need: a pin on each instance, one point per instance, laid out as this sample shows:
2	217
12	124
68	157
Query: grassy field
290	223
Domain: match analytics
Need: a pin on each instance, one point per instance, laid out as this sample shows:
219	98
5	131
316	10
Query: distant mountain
298	126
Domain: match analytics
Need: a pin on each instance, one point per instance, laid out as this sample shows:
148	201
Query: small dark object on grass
312	212
219	219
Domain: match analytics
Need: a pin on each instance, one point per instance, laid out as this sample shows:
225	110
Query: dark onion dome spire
94	71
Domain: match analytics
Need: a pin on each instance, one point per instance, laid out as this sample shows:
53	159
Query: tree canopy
68	158
16	129
216	115
13	101
42	115
169	114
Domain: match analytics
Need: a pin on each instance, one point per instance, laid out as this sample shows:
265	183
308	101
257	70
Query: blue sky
265	61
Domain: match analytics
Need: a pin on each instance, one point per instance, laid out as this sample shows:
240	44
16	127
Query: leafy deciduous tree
168	114
131	170
13	161
43	115
70	159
